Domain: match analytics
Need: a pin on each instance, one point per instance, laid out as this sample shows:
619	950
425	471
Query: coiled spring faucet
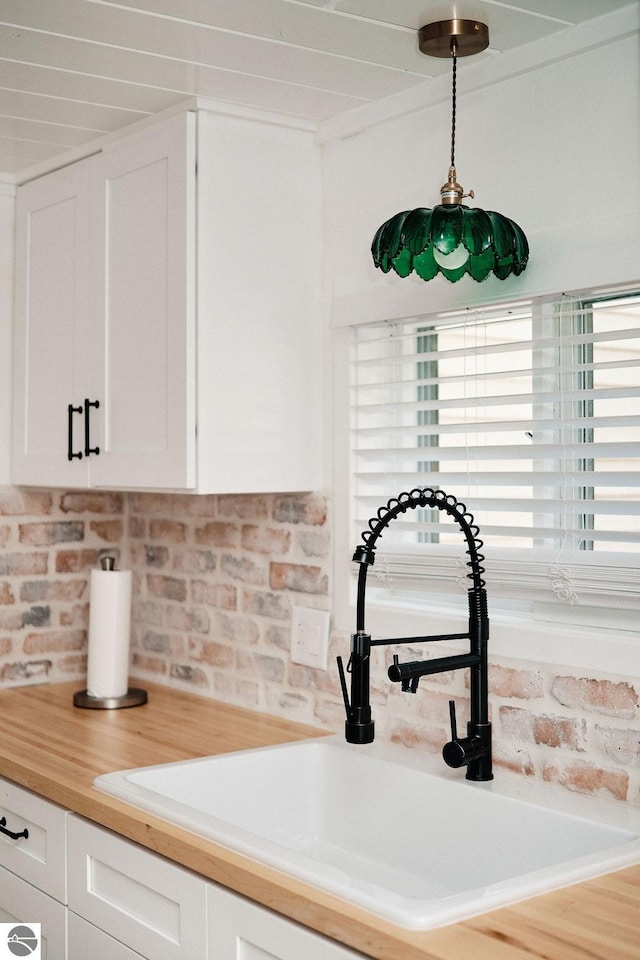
474	750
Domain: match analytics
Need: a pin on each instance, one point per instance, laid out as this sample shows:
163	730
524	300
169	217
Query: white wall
7	204
555	148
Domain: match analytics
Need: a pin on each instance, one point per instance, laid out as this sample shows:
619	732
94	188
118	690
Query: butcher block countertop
56	750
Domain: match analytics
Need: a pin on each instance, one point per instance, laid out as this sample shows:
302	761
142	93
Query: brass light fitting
469	36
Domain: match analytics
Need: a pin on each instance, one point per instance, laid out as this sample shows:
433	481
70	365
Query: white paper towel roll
109	633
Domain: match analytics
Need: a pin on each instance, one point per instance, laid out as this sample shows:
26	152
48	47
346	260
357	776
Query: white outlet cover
310	637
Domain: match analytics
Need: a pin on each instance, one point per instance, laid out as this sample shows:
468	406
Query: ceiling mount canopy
469	37
451	239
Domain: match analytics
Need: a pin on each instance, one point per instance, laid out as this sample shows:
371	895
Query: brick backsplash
215	580
49	541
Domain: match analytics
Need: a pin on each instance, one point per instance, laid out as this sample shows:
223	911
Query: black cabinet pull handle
14	836
70	412
88	449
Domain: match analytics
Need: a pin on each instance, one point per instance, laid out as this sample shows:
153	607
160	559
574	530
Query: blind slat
541	400
492	426
496	400
395	480
547	451
556	508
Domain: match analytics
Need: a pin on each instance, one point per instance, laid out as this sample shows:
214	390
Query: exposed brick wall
215	579
49	541
556	732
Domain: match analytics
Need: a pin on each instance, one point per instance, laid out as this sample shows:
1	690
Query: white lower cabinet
160	910
242	930
146	902
33	869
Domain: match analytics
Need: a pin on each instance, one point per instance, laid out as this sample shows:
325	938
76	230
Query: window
529	414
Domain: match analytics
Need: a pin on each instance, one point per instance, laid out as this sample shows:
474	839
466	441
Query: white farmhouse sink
370	824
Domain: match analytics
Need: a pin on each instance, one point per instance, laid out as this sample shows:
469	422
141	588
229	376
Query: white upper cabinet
104	361
167	320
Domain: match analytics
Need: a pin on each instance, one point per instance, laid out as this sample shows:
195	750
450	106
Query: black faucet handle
472	751
343	686
452	720
408	684
455	753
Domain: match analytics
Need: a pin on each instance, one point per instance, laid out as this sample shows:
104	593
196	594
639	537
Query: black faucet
474	750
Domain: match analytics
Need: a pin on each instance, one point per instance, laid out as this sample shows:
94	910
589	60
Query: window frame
581	626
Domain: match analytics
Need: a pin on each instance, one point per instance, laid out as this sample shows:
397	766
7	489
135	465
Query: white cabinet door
146	351
54	272
242	930
146	902
21	903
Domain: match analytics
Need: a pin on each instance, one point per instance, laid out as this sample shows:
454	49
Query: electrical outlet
310	637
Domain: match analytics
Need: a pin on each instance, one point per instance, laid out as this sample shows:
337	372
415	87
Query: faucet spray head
358	727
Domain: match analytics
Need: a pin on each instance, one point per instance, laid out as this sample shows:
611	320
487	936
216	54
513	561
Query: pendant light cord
454	48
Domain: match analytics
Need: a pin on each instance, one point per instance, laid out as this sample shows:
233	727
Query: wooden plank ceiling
72	70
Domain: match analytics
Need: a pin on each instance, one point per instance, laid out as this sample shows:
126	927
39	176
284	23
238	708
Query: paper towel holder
134	697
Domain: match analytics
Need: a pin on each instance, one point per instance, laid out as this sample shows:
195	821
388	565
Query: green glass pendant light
451	238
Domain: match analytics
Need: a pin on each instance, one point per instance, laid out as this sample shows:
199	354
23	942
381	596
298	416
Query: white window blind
531	416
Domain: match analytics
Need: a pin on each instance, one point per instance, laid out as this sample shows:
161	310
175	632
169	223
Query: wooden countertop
56	750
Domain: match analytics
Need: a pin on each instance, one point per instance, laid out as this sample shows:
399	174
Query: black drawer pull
9	833
88	449
70	412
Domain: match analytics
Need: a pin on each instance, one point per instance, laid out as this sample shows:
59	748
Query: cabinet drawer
40	858
242	930
141	899
86	942
22	903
